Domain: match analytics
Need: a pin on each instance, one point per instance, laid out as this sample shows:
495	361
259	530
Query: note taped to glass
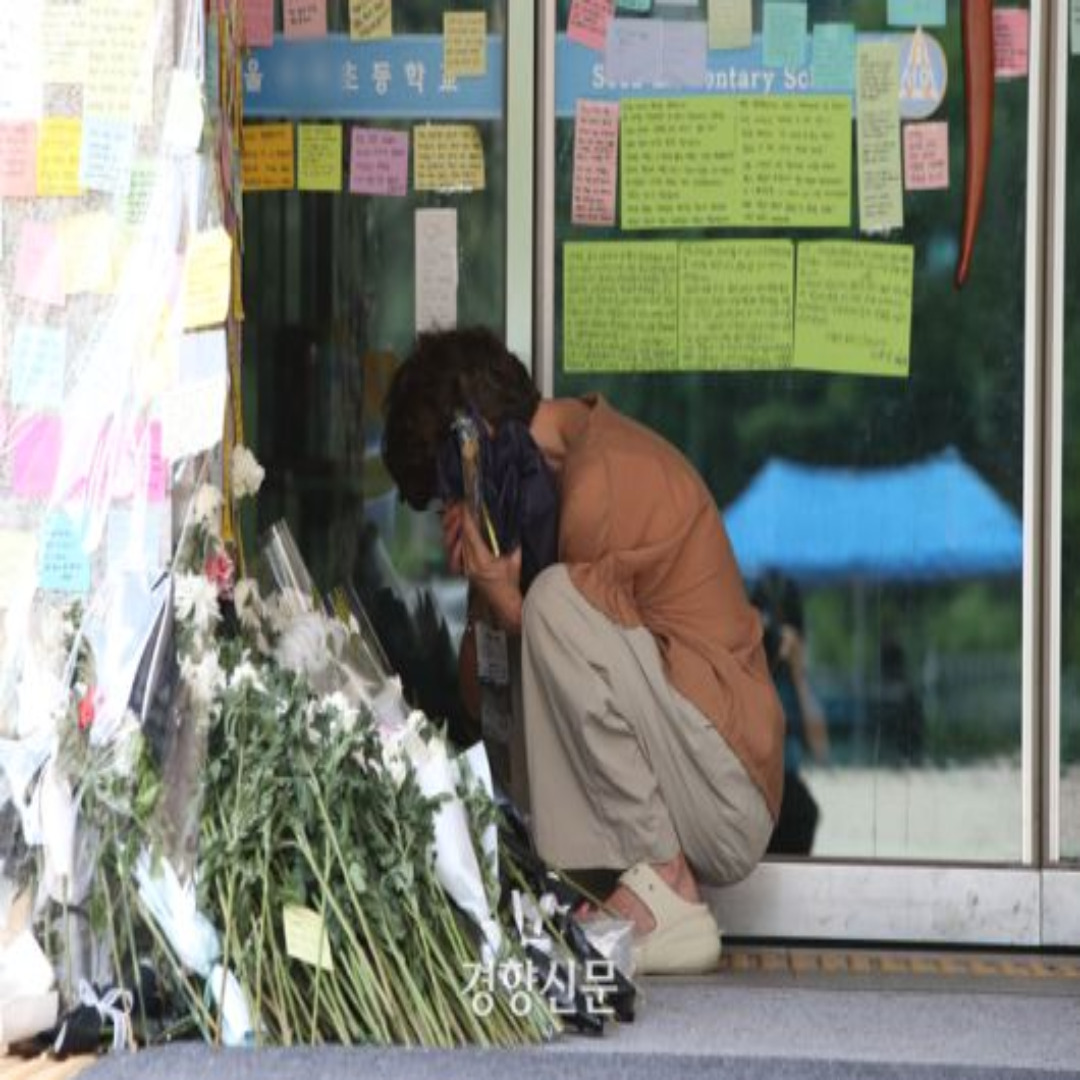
318	157
464	44
620	306
448	157
267	158
207	279
881	178
853	307
736	305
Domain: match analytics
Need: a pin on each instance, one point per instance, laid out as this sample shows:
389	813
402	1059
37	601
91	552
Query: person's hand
451	536
792	651
497	580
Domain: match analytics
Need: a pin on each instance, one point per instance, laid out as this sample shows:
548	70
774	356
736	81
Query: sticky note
784	34
620	306
588	22
86	242
833	56
916	12
58	149
140	191
192	414
634	52
318	157
133	538
120	59
39	264
379	162
853	307
18	160
304	19
258	18
881	198
736	305
63	42
464	44
731	24
633	7
106	154
596	162
448	157
267	157
183	112
38	360
684	56
436	253
305	937
20	60
1011	33
207	279
926	156
36	456
370	20
18	563
62	565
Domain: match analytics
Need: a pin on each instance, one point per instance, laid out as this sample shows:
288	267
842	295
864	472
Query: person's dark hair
446	371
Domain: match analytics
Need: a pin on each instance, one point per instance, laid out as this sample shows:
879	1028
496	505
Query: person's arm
813	715
495	581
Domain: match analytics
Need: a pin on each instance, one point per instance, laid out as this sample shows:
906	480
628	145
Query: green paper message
620	306
736	305
853	310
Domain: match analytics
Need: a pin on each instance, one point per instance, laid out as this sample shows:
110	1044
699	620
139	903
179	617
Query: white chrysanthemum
247	473
202	677
405	745
246	674
206	507
196	601
248	603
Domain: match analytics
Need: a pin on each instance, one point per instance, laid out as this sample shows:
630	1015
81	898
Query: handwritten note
192	414
684	57
305	937
86	244
596	162
120	64
39	264
184	112
20	60
370	20
926	156
731	24
853	307
18	160
106	154
784	34
63	42
736	305
436	252
916	12
634	52
448	157
588	22
133	538
881	198
140	191
736	161
1011	34
379	162
207	279
464	44
833	60
18	563
318	157
38	359
63	565
258	23
58	149
304	19
620	306
267	157
36	456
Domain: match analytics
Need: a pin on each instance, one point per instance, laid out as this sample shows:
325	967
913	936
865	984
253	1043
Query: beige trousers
621	767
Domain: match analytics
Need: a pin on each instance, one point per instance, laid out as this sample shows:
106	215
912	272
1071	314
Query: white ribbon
113	1007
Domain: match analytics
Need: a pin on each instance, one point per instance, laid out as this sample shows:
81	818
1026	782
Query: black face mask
518	489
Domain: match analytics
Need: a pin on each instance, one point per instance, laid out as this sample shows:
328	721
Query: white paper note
436	269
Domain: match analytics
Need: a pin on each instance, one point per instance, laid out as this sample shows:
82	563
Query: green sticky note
305	937
620	306
833	61
731	24
853	307
783	33
736	305
877	105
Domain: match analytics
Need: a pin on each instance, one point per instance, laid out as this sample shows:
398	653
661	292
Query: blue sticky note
784	34
38	358
833	60
633	7
62	565
917	12
106	154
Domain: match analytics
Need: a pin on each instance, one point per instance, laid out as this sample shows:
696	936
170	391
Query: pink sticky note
1011	34
589	22
18	160
37	456
258	23
39	264
304	19
596	162
379	162
158	470
926	156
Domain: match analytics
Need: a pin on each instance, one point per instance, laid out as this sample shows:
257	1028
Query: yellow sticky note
267	157
318	166
58	148
207	279
464	44
18	564
86	242
448	157
305	937
370	20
